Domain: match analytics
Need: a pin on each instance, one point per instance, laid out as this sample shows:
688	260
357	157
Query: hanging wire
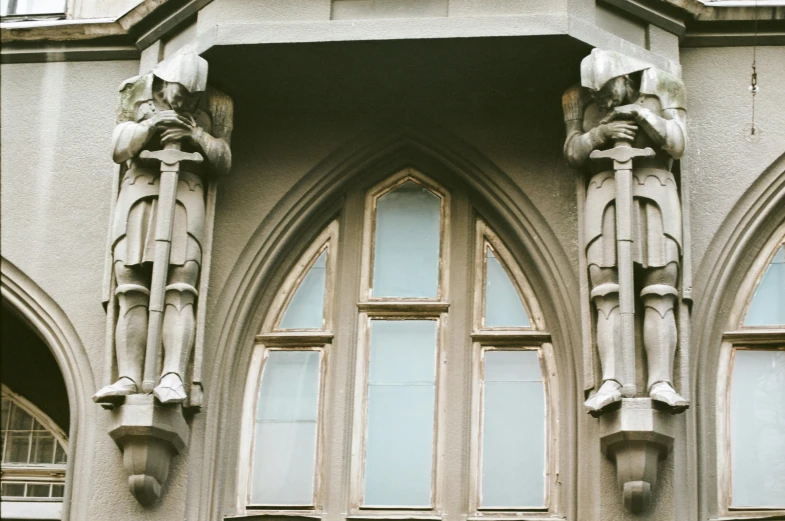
754	77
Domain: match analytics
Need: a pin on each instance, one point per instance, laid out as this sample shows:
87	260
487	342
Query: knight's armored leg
660	334
179	326
605	295
130	334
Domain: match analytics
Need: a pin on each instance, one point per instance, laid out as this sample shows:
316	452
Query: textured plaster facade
476	93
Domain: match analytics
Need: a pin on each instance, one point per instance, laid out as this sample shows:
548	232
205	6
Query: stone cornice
696	23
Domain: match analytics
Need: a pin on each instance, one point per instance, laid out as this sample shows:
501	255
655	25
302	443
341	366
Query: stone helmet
188	69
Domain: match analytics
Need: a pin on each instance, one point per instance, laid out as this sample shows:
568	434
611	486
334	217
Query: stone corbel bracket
149	434
636	437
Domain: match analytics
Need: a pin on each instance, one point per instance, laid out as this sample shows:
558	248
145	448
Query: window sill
394	517
751	516
273	515
517	516
32	509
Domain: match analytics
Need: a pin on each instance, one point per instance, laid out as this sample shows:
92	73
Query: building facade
349	259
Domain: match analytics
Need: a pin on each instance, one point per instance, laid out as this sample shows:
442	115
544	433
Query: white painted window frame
742	337
272	338
532	338
30	507
367	308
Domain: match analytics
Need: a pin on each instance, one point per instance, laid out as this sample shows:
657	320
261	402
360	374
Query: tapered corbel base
636	437
149	434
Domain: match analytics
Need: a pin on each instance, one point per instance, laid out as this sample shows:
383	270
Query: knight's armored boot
606	300
659	338
130	342
179	327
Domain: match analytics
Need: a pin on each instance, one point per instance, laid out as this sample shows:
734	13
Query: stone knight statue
171	107
625	102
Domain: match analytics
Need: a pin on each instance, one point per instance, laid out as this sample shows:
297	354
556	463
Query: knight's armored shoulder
221	110
134	91
666	87
573	102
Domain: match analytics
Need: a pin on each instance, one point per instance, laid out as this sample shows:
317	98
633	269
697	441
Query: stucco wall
723	158
57	120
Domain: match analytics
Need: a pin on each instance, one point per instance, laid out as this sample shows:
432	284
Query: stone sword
622	155
170	158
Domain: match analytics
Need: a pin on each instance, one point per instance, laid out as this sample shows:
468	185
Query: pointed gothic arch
297	220
726	278
45	317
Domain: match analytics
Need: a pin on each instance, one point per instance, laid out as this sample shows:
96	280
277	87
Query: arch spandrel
298	218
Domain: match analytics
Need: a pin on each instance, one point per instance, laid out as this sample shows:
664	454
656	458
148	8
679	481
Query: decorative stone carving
625	126
171	141
149	434
636	437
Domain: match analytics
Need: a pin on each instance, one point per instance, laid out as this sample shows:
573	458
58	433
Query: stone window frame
742	337
533	338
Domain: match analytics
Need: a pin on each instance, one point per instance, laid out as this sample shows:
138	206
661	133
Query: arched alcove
722	291
36	310
306	210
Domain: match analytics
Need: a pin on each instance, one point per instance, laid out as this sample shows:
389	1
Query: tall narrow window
286	385
285	434
752	410
511	407
401	400
404	273
381	375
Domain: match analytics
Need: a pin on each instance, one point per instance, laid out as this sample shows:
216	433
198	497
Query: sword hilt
622	153
171	156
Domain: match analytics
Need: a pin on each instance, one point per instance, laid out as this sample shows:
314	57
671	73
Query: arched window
33	460
751	392
406	338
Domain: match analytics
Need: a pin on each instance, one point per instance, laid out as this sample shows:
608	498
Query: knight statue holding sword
173	133
629	119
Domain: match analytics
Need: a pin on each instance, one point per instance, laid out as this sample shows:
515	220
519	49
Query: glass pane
17	447
60	454
20	420
503	306
37	490
43	448
400	414
5	413
768	305
284	459
285	437
757	412
513	435
406	245
306	309
13	489
57	490
33	7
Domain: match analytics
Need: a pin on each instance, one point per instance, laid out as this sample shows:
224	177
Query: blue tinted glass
503	306
285	432
406	244
513	432
306	309
757	412
401	395
768	305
